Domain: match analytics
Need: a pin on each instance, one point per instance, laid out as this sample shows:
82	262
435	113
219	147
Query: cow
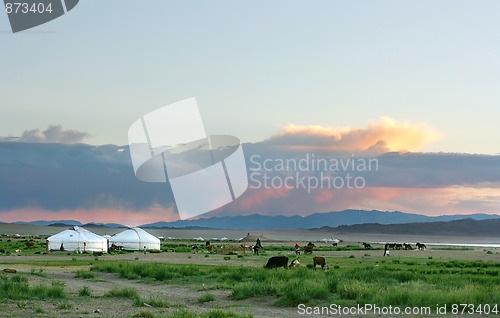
367	246
294	263
277	261
30	244
319	260
114	247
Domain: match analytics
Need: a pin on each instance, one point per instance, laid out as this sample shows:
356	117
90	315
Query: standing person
297	248
386	250
258	243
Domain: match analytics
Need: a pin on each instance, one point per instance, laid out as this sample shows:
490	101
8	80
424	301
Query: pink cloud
98	215
385	135
427	201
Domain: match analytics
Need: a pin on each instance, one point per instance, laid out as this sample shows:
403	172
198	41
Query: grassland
183	284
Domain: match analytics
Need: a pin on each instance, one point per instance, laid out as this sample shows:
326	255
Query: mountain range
464	227
68	223
317	220
263	222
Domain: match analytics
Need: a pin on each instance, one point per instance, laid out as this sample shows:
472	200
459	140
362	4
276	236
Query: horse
256	249
421	246
407	246
308	249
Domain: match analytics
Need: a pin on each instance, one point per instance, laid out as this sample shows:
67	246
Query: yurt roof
77	233
253	238
135	234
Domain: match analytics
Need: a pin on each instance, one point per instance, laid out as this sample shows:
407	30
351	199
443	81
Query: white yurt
77	239
135	239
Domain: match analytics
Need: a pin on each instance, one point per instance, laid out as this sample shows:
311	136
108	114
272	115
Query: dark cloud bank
55	176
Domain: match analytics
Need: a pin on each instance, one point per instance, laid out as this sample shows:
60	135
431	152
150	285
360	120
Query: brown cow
319	260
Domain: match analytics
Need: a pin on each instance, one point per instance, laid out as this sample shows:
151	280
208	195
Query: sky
286	77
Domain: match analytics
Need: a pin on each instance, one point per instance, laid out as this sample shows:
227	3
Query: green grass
349	281
84	274
124	292
64	305
144	313
205	298
39	310
84	291
17	287
20	244
38	273
215	313
153	302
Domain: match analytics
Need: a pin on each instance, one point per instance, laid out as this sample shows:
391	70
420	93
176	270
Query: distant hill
112	225
58	224
466	227
70	223
317	220
52	223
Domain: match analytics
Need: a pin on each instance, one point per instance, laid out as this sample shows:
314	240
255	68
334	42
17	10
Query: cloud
78	176
101	215
378	137
53	134
97	183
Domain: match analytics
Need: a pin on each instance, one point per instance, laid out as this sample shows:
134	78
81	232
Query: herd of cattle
282	261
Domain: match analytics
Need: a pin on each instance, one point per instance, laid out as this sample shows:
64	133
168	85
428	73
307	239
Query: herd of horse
282	261
397	246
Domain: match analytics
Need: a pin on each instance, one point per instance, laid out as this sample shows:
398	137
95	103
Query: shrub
206	298
144	313
64	306
39	310
122	292
84	274
84	291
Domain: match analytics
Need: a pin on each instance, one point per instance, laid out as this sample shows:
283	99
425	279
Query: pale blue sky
255	66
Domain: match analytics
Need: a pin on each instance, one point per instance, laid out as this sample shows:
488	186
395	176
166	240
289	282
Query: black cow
277	261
